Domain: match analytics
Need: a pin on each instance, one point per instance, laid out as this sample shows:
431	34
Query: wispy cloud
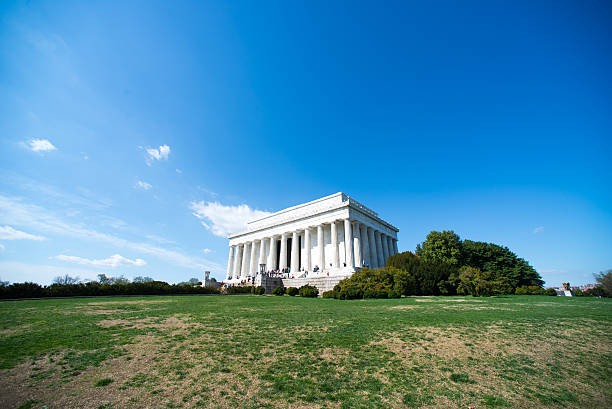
8	233
178	171
40	219
207	251
160	153
1	247
553	271
538	229
143	185
15	271
40	145
224	220
82	198
113	261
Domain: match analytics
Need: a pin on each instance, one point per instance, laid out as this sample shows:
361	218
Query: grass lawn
265	352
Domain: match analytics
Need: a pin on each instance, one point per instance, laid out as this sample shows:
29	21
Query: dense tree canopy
441	247
445	265
498	261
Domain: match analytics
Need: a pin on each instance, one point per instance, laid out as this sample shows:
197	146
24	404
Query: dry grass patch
130	302
405	307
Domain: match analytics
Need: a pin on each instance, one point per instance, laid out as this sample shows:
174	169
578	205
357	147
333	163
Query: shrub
376	292
551	292
308	291
237	289
278	290
394	294
533	290
329	294
260	290
292	291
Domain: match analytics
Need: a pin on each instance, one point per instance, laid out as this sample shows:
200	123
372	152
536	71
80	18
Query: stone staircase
323	283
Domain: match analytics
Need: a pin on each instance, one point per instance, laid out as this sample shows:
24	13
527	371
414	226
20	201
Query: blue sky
135	135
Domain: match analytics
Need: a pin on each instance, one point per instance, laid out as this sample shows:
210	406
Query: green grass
103	382
249	351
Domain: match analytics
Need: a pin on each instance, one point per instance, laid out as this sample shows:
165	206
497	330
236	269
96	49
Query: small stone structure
208	282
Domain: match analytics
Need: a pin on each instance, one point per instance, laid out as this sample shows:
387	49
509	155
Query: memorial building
318	243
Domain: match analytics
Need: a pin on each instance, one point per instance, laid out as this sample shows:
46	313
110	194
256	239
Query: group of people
279	273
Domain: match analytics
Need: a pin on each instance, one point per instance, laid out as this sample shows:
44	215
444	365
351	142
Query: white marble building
311	235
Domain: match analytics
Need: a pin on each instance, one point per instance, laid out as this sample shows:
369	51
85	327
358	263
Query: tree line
446	265
67	286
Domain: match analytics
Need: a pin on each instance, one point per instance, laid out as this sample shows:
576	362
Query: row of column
364	246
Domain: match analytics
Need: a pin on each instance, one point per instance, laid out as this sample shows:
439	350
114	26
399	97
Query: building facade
328	237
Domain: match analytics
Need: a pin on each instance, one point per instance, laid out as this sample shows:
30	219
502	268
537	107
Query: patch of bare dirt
129	302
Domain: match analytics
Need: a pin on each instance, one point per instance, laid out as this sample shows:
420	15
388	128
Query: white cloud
178	171
158	153
113	261
207	251
224	220
18	272
8	233
538	229
144	185
41	145
23	214
1	247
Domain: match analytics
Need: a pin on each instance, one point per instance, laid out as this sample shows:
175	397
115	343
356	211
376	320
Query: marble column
390	246
272	255
373	252
348	243
230	262
262	253
357	245
283	252
245	260
307	248
385	246
321	246
379	250
238	263
334	242
295	253
253	259
395	246
365	246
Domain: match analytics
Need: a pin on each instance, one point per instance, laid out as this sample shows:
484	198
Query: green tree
427	277
441	247
404	283
500	261
605	281
480	283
